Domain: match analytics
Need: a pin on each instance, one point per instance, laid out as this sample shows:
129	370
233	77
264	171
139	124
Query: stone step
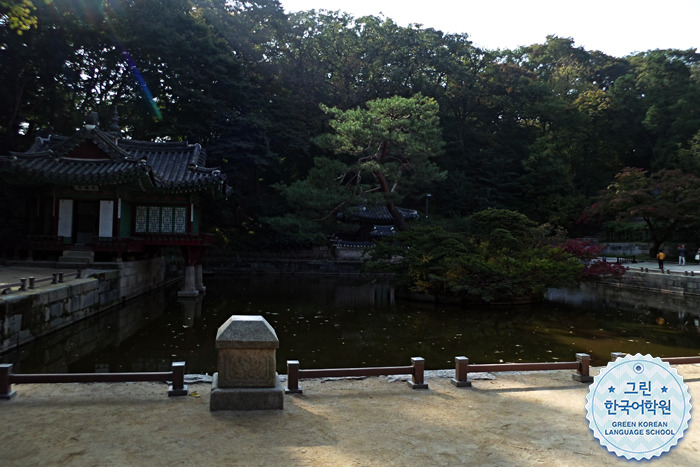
77	256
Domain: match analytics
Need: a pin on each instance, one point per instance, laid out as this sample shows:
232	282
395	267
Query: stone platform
246	398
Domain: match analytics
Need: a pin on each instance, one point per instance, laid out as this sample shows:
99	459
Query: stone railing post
247	378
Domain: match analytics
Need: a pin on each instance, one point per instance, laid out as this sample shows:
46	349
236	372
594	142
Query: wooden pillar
584	363
417	380
6	391
117	219
461	372
178	386
293	377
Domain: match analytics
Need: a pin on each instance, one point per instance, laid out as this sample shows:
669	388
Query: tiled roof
92	157
378	214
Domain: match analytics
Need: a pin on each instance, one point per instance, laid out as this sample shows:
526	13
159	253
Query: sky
615	27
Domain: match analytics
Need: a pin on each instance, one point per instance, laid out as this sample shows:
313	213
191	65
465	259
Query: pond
347	322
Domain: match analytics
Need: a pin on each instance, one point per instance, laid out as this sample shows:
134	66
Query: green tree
19	15
523	231
576	148
37	72
659	98
483	138
384	150
689	158
664	201
497	265
169	72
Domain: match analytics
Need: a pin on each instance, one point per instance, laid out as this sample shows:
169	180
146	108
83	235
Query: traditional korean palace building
375	221
113	199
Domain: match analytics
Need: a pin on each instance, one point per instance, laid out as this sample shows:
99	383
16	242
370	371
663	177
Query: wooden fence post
417	380
293	377
615	355
461	371
582	373
6	391
178	388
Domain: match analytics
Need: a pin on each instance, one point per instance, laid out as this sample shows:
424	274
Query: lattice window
166	220
160	219
154	218
141	219
180	220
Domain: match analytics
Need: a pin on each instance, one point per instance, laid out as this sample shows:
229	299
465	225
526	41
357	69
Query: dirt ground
523	419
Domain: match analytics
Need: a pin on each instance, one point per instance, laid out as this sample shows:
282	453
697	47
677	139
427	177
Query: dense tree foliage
666	201
384	150
589	255
501	256
18	14
538	130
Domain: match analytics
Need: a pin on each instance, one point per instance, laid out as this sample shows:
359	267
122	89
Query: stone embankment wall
674	292
655	281
25	316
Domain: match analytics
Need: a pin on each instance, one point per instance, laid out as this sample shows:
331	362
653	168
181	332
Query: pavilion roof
95	157
378	214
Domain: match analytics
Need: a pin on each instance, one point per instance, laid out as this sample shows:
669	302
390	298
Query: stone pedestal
198	279
247	377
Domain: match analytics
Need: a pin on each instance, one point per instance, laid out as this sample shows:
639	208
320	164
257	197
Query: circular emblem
638	407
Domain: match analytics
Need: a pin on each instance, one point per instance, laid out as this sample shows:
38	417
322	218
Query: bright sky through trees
615	27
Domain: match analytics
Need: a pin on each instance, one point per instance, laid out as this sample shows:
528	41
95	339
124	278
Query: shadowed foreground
516	419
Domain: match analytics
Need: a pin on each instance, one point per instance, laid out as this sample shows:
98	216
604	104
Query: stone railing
31	283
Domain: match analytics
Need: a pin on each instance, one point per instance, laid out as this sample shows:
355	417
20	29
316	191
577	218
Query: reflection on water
343	322
107	332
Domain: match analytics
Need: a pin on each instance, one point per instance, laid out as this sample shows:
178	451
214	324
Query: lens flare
144	86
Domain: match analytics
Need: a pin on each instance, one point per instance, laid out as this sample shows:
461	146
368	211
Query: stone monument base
246	398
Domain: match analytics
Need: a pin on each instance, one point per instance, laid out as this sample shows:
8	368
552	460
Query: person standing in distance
661	256
681	255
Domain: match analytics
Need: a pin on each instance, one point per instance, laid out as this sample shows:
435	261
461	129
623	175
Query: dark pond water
344	322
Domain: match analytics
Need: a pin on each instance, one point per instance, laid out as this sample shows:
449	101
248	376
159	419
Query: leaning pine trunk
399	221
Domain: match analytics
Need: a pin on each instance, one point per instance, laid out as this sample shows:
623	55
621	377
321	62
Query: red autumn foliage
589	255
